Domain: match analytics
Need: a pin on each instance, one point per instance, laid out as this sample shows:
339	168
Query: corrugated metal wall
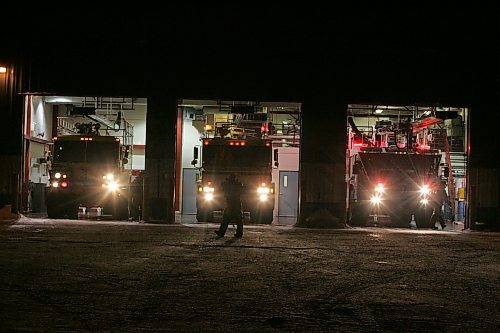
11	106
484	199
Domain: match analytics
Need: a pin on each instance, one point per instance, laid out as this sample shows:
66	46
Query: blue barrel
461	211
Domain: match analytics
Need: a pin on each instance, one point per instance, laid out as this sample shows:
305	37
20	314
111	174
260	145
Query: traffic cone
413	223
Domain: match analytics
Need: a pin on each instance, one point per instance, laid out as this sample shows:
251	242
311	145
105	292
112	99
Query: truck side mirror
195	153
194	162
127	151
446	172
276	163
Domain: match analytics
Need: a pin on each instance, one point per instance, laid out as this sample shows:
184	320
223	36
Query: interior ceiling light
58	99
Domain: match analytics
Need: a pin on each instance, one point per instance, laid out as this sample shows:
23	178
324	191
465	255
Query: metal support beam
161	124
322	165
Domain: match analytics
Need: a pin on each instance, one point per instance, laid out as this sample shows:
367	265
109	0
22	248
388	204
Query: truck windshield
241	157
90	152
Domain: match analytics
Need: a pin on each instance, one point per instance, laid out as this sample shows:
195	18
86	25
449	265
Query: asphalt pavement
96	276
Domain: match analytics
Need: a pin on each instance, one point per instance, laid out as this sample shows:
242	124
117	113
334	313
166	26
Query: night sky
355	44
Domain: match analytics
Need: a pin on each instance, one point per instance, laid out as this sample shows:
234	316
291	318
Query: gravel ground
90	276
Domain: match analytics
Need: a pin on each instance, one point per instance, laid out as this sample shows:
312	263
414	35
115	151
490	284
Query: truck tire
204	215
400	220
121	210
68	211
358	216
53	212
423	219
264	216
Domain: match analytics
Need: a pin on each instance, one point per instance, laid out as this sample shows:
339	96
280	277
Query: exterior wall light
3	69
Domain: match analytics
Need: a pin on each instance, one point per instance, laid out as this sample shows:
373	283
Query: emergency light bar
237	143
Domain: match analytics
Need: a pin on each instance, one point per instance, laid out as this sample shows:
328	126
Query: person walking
232	189
441	197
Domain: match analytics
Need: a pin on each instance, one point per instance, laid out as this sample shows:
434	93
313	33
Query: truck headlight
108	176
112	186
375	200
425	190
57	175
379	188
263	190
424	201
208	189
209	196
263	197
55	184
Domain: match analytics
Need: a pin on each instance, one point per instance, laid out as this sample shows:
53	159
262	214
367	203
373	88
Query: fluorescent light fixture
3	69
58	99
378	111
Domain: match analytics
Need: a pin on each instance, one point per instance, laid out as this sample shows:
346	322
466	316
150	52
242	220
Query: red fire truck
391	179
251	159
87	172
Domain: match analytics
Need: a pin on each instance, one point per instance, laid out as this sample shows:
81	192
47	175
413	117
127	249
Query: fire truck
87	177
250	157
392	179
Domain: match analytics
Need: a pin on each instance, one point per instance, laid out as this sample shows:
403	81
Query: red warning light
357	143
64	184
268	144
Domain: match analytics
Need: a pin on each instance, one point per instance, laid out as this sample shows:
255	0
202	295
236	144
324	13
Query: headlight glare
425	190
113	186
208	189
263	190
375	200
379	188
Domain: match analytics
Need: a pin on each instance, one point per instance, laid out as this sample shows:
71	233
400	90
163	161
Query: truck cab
87	172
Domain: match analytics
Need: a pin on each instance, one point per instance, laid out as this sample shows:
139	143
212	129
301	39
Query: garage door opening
397	159
257	140
83	156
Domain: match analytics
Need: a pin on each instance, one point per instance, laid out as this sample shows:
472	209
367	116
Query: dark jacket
232	190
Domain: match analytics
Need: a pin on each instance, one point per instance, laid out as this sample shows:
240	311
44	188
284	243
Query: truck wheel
204	215
121	210
261	216
70	212
53	212
423	219
358	216
400	220
267	216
